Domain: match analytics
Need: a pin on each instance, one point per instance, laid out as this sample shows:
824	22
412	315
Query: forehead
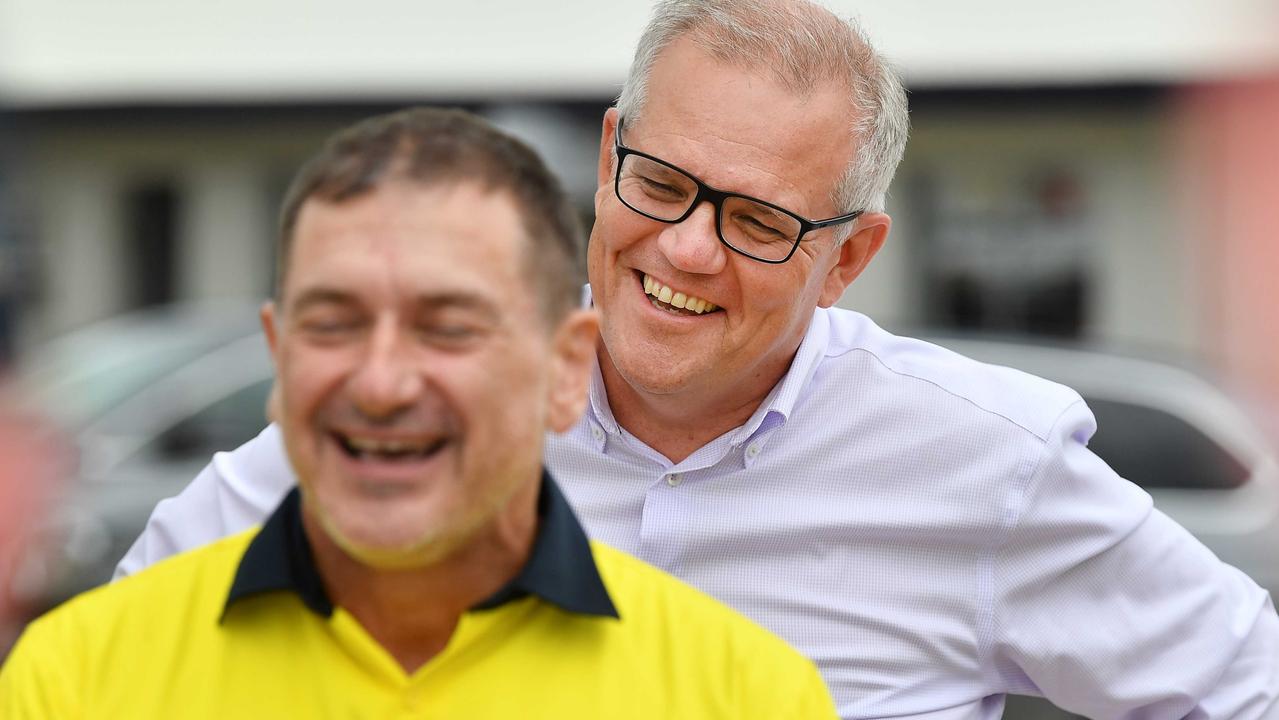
403	237
742	129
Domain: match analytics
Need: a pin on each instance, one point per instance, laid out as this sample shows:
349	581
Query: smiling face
743	132
416	369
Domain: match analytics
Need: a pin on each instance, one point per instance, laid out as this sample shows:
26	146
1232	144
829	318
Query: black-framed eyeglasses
661	191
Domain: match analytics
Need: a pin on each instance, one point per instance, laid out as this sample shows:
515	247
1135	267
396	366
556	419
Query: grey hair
802	44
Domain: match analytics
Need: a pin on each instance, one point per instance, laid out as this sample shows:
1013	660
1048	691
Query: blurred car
144	400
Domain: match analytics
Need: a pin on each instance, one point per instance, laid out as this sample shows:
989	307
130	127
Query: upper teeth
386	446
674	297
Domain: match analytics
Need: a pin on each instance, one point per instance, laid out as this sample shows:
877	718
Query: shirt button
598	432
752	450
673	480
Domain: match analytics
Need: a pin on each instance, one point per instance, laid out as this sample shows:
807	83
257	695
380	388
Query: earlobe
854	255
573	357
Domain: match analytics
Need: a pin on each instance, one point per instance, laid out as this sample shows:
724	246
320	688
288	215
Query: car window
222	425
83	393
1156	449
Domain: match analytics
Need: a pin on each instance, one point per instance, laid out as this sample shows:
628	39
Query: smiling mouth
675	301
368	448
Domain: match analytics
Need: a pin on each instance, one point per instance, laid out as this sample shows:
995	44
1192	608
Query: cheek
768	288
617	228
507	402
309	375
603	194
779	297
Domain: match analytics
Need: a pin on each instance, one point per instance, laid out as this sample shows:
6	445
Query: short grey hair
803	44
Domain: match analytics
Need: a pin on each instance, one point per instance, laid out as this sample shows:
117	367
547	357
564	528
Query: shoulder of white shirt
1031	402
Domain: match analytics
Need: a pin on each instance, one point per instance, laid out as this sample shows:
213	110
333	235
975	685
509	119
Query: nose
387	380
693	245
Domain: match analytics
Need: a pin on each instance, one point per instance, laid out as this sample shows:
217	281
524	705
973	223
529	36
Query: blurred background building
1093	172
1101	170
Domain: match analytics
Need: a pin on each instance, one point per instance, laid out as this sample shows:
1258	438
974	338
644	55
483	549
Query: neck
677	424
413	612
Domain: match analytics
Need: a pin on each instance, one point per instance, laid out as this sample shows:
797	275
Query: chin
394	551
387	541
656	374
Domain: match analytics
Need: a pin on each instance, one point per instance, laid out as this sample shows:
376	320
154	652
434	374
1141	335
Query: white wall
86	51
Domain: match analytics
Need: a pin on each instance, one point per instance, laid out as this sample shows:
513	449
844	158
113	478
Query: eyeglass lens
665	193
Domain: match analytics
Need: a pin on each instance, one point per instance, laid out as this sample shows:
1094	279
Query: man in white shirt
933	532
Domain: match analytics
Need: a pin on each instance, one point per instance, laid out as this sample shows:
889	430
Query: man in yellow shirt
426	333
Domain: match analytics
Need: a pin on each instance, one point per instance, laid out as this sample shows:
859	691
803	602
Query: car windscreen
1155	449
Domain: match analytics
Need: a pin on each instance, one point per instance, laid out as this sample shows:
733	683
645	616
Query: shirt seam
901	373
1032	474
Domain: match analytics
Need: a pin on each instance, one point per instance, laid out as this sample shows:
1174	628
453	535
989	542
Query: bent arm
235	491
1108	608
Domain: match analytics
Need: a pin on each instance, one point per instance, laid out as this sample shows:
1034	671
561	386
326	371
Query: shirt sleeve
235	491
1108	608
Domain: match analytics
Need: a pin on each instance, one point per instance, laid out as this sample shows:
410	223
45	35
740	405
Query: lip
638	278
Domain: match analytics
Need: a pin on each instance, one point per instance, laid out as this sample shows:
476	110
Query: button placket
664	523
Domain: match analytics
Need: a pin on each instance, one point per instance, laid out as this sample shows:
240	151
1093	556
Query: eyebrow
425	301
320	296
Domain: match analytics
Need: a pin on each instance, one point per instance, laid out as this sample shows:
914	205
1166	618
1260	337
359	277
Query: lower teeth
670	308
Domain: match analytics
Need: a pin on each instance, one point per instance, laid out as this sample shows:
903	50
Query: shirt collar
781	400
600	410
560	569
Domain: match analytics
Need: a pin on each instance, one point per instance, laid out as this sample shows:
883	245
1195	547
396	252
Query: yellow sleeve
37	680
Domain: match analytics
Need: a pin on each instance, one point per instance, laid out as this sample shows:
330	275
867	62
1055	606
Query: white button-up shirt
932	531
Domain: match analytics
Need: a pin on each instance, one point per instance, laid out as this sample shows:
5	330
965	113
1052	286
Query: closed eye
759	229
661	190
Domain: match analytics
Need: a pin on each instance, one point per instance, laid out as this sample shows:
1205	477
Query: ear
605	169
572	359
854	255
268	316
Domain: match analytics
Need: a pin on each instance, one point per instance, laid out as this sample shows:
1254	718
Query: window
151	214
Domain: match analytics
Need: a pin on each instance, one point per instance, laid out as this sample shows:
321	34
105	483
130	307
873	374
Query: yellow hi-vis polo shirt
243	628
